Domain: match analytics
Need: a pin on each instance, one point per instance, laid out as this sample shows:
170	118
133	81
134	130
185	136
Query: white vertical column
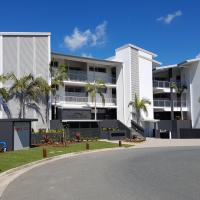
18	57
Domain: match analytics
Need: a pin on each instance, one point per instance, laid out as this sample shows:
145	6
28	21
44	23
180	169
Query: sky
95	28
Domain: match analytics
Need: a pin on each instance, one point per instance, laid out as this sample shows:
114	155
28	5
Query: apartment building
23	53
73	102
131	70
185	75
127	73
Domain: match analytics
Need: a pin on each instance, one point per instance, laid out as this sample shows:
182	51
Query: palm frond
5	107
102	98
36	108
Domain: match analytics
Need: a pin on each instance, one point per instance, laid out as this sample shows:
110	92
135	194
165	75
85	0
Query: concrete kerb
10	175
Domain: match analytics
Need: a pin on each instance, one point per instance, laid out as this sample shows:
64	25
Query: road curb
10	175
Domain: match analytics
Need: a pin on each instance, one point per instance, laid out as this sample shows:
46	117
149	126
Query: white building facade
185	75
23	53
131	71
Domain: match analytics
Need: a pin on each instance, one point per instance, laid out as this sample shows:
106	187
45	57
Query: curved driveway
130	174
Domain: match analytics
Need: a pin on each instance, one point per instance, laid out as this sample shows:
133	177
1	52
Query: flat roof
86	59
17	120
136	47
25	33
181	64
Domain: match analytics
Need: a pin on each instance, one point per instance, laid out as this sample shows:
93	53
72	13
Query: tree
4	95
45	90
57	77
179	92
93	89
139	106
27	91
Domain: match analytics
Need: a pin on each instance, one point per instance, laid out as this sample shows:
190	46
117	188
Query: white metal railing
77	94
83	76
167	103
163	84
75	100
77	75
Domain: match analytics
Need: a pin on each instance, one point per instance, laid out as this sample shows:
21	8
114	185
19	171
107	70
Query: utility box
16	133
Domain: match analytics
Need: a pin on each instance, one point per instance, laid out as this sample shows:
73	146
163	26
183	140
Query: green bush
50	131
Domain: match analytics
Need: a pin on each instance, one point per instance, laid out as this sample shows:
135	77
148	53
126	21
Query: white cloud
88	55
170	17
198	56
79	39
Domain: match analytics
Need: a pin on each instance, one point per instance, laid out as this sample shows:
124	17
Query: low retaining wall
189	133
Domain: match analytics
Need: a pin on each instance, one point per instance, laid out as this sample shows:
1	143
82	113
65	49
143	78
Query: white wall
145	83
124	94
22	55
194	76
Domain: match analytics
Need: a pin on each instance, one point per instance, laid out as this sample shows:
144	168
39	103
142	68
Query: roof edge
25	33
136	47
85	58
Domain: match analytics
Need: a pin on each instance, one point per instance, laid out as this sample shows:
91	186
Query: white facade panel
146	86
22	55
195	94
124	56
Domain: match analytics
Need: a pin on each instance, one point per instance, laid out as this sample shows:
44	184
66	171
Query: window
91	69
84	124
54	63
74	89
97	69
73	125
100	69
94	125
113	92
75	69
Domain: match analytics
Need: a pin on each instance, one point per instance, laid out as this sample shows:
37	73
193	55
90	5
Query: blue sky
169	28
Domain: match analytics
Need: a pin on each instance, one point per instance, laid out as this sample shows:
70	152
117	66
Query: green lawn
13	159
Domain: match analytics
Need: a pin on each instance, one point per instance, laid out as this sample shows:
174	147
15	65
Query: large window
54	63
74	89
97	69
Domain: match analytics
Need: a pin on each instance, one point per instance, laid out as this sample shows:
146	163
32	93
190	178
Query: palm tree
4	98
57	78
93	89
138	106
4	95
179	92
27	92
45	90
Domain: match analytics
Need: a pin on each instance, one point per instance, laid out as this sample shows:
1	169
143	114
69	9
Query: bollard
87	146
120	143
44	152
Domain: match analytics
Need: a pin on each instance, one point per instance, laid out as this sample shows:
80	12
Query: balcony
165	105
83	100
163	86
84	77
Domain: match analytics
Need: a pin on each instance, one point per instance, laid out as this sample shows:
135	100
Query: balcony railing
80	100
167	103
76	94
163	84
83	76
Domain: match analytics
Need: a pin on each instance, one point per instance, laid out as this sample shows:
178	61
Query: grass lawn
13	159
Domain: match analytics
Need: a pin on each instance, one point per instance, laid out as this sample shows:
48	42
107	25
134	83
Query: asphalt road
131	174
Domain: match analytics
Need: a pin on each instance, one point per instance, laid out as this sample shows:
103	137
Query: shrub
78	137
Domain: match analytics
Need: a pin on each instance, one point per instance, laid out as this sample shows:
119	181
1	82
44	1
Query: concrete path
157	142
136	174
